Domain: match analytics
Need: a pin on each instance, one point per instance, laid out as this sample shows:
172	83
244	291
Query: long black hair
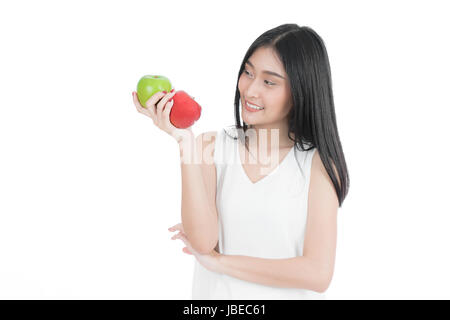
312	118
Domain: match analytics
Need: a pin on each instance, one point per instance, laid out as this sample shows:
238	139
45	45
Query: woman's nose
252	92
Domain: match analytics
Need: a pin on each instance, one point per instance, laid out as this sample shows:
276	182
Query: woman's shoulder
210	137
231	131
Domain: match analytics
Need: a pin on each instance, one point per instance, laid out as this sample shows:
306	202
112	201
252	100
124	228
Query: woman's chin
249	118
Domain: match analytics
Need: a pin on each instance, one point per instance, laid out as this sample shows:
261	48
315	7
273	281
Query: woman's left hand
210	261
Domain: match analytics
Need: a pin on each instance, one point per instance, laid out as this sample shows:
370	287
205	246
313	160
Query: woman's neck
269	137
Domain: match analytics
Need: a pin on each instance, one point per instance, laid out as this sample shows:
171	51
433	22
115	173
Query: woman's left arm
313	270
297	272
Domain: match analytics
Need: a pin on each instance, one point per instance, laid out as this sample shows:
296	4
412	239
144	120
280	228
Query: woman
258	231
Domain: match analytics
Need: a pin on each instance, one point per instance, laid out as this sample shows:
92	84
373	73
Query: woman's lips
250	109
253	103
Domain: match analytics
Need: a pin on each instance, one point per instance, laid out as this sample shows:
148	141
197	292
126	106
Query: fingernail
164	91
172	90
170	100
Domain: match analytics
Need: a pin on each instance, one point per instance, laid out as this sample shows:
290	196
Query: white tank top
266	219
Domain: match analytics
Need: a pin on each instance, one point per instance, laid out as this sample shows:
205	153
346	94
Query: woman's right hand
159	112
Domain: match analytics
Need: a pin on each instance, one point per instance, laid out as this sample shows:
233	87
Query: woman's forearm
198	215
297	272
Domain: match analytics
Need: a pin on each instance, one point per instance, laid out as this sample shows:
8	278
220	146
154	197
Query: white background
88	186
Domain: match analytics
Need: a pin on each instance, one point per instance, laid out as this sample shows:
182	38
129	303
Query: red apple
185	110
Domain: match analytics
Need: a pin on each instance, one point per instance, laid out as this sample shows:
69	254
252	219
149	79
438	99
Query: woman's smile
251	107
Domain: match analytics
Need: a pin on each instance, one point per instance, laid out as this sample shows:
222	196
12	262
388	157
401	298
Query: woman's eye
266	81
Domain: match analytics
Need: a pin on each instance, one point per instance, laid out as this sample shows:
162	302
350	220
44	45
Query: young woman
258	231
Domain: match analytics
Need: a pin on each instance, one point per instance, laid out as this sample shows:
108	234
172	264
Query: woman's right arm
198	208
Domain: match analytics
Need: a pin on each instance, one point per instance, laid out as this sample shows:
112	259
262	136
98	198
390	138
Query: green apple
148	85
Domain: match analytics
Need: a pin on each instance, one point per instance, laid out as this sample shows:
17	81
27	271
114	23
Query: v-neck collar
266	176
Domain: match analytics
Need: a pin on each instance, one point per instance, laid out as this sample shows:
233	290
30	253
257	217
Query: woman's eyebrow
266	71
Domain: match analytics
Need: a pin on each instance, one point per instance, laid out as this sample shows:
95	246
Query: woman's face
263	89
